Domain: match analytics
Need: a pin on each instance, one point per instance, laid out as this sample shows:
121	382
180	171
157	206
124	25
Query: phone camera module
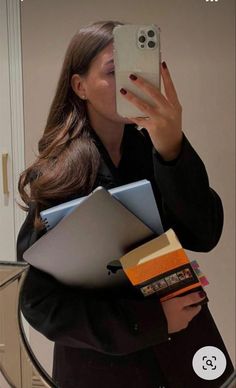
142	39
151	33
151	44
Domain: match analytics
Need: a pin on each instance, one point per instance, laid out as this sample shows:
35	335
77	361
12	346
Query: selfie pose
116	337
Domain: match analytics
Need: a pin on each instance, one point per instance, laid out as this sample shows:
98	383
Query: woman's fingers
177	314
149	90
142	105
165	115
159	100
191	312
170	91
192	298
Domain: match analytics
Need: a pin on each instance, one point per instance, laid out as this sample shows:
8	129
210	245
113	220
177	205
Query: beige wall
198	45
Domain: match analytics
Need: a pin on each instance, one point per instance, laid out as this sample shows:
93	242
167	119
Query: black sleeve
189	205
115	321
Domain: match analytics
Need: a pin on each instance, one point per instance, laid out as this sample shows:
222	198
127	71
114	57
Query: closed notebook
137	197
78	250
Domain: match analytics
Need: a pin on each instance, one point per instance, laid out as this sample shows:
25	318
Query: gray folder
79	248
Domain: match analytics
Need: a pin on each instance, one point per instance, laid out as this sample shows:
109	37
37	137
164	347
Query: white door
11	127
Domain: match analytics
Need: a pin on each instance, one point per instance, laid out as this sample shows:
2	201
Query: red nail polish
202	294
164	65
123	91
133	77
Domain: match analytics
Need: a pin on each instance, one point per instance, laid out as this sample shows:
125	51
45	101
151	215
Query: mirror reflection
108	333
104	336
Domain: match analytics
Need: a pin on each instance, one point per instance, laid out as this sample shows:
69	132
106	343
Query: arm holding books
75	317
181	310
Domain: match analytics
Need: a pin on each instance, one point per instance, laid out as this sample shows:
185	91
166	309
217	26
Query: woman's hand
164	117
180	311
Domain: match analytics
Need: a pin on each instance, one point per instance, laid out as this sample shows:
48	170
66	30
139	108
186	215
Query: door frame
15	101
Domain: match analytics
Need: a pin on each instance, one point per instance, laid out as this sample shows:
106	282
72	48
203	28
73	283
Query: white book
137	197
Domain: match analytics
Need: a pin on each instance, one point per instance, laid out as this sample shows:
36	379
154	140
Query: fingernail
133	77
202	294
164	65
123	91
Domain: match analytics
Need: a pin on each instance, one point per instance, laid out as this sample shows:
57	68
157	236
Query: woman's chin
125	120
128	121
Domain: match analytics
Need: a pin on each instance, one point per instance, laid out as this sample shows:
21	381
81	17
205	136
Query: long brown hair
68	159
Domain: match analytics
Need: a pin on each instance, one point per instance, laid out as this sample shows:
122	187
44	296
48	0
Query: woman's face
98	86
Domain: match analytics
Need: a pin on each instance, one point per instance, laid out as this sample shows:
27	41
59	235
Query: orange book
161	266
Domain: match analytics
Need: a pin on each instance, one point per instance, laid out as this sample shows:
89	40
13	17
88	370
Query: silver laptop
82	249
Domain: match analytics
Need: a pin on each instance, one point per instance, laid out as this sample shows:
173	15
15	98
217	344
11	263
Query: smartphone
137	51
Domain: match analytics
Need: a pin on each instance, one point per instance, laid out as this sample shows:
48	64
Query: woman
111	339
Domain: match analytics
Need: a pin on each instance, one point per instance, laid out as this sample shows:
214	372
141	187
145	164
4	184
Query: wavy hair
68	160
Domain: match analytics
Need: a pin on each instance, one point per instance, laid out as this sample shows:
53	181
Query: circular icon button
209	363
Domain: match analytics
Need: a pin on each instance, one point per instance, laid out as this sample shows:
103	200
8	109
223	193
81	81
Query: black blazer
118	338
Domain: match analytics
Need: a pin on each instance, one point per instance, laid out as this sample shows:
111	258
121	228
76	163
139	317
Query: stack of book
111	237
161	266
